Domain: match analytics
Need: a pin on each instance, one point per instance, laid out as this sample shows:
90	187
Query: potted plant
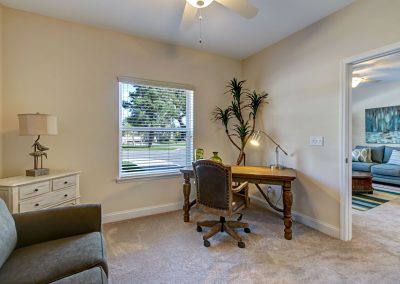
239	118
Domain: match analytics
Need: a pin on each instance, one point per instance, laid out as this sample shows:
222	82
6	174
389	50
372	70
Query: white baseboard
140	212
158	209
304	219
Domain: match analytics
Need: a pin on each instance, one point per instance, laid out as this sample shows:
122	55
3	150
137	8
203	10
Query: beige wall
1	91
372	96
301	73
70	70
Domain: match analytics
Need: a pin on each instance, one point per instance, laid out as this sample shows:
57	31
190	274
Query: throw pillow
394	158
355	154
362	155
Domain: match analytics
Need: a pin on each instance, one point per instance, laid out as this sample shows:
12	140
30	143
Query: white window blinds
155	126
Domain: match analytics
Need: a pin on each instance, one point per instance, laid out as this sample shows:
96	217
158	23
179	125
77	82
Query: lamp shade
37	124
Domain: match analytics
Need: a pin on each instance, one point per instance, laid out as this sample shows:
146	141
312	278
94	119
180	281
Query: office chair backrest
214	187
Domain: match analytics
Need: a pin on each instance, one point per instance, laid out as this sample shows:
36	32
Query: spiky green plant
243	102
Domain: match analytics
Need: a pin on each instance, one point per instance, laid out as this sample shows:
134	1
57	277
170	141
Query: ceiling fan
358	80
242	7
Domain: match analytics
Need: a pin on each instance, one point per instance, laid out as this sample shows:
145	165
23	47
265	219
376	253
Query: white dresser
23	193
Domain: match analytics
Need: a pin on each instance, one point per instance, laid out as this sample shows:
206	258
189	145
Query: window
155	127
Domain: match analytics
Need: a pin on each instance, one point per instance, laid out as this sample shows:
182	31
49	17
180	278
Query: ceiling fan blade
188	17
242	7
372	81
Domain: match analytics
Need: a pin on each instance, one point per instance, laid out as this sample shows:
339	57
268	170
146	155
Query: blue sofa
380	170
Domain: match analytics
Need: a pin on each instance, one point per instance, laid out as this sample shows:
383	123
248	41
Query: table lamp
255	140
35	125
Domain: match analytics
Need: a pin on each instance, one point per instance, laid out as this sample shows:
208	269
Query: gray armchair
60	245
216	195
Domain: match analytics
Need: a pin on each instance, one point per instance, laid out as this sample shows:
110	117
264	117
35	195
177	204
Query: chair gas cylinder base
216	195
223	226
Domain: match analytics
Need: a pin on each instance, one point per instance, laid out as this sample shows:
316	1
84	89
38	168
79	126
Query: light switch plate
316	140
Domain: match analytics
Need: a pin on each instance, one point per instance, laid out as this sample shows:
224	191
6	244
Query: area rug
382	194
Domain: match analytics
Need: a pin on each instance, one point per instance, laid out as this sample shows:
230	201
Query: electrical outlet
316	140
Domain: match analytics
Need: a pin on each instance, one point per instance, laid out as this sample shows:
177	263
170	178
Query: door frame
345	133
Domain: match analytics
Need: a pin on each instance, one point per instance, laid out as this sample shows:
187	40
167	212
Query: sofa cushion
376	153
388	153
386	170
386	179
362	167
53	260
94	275
8	233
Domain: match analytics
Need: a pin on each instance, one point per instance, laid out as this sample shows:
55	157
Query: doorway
346	132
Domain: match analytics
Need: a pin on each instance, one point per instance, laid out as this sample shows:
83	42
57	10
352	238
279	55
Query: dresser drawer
48	200
60	183
31	190
68	203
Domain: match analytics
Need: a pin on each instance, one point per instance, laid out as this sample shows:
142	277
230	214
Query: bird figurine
40	147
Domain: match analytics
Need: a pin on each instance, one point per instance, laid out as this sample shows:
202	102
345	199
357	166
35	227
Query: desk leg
287	209
186	195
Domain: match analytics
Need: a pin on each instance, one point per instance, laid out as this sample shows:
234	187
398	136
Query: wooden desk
256	175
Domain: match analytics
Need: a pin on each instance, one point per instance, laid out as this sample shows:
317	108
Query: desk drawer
31	190
48	200
63	182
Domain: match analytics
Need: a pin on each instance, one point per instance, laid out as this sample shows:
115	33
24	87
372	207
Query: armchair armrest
51	224
240	187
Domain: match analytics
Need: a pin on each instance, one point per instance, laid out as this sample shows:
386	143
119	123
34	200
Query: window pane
156	129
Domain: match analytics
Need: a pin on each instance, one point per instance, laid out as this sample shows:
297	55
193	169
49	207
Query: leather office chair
216	195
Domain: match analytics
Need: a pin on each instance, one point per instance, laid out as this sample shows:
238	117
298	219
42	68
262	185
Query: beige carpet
164	249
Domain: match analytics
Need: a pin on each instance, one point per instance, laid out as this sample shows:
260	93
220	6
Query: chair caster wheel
199	229
247	230
241	245
206	243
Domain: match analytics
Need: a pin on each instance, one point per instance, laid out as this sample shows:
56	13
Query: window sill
147	177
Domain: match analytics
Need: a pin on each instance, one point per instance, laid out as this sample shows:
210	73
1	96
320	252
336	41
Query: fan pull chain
200	31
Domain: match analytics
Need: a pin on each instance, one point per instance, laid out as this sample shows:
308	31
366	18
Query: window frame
189	110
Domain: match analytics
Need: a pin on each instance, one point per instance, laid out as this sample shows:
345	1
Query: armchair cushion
8	233
50	261
94	275
46	225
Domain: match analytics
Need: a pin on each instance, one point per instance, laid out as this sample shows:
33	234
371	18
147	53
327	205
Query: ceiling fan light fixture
199	3
355	81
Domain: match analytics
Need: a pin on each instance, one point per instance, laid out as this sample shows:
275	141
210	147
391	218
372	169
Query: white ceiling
224	31
379	70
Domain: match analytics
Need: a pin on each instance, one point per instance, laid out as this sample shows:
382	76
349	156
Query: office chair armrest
240	187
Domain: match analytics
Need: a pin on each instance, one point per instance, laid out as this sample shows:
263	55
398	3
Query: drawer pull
37	204
36	190
65	182
65	195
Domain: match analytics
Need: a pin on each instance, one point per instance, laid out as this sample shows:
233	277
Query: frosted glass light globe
200	3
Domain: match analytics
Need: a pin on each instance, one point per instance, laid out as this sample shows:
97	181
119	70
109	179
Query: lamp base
276	167
37	172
